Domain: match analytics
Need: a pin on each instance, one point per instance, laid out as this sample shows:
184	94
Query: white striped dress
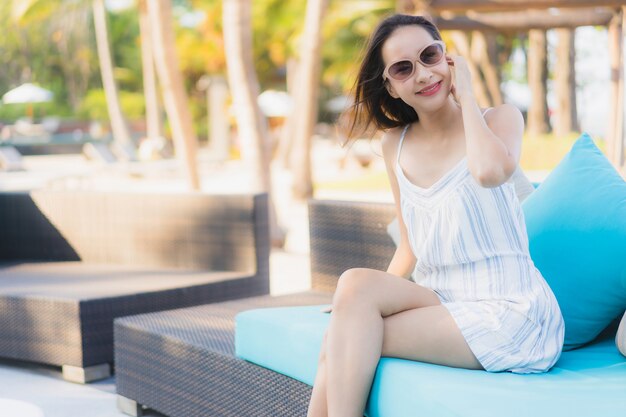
471	247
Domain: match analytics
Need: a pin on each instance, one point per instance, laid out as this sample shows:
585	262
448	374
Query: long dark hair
373	105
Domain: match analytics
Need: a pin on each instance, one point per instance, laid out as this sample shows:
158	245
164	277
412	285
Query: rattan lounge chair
182	362
71	262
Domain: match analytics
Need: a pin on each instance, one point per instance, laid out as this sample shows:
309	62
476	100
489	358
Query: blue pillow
576	223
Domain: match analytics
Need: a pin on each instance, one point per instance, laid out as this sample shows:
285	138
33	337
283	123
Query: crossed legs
378	314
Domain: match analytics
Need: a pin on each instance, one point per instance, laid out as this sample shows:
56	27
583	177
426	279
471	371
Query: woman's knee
352	286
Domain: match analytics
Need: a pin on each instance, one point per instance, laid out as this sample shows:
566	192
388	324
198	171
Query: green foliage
201	48
126	48
277	26
9	113
49	43
346	28
94	106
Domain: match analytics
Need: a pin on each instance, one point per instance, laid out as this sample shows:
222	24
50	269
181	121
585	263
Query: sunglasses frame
386	75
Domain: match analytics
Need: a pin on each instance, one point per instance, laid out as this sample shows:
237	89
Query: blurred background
235	94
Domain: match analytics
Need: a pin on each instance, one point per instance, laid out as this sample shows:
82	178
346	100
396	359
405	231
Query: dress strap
401	142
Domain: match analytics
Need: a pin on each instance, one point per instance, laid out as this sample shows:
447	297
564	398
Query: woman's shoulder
391	137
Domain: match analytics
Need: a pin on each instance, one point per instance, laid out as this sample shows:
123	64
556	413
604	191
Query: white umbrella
275	103
27	93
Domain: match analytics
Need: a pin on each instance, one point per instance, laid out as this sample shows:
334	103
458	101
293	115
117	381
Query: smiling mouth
433	88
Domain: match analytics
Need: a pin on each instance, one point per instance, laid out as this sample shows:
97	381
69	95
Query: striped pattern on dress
471	247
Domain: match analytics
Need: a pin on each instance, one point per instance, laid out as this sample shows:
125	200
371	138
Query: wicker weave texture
181	363
346	235
62	319
188	231
40	330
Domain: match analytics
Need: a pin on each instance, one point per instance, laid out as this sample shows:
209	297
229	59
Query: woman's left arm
493	149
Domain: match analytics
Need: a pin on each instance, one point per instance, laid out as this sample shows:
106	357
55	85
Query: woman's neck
438	123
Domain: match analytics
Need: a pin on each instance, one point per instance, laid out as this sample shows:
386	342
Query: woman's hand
327	309
461	78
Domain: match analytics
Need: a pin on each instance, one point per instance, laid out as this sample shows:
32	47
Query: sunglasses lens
401	70
432	54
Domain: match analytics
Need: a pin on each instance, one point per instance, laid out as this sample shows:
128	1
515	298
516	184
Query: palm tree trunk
121	134
305	109
174	96
153	114
251	124
285	145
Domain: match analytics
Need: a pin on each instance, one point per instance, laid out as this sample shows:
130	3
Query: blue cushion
590	381
265	336
576	223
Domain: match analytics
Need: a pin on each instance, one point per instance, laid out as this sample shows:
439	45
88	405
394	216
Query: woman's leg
318	403
358	335
427	334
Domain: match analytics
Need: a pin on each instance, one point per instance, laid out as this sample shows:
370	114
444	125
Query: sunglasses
428	56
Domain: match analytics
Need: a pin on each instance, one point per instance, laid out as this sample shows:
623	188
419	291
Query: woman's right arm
403	260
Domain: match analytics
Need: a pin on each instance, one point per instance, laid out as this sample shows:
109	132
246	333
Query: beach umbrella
27	94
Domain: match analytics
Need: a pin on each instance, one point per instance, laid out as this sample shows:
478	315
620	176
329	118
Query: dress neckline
442	181
437	184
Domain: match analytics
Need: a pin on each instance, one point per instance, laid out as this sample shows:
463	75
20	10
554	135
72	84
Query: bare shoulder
390	141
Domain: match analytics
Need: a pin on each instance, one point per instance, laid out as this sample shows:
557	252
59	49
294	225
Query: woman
478	301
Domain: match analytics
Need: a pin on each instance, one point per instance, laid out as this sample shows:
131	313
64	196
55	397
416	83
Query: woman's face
427	87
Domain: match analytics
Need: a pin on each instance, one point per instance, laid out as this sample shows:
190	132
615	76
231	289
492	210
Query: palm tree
121	134
173	90
346	27
244	85
153	118
242	79
305	109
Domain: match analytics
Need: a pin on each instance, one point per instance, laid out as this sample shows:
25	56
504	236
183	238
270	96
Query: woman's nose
422	73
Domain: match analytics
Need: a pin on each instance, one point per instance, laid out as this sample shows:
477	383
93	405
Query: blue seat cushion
589	381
